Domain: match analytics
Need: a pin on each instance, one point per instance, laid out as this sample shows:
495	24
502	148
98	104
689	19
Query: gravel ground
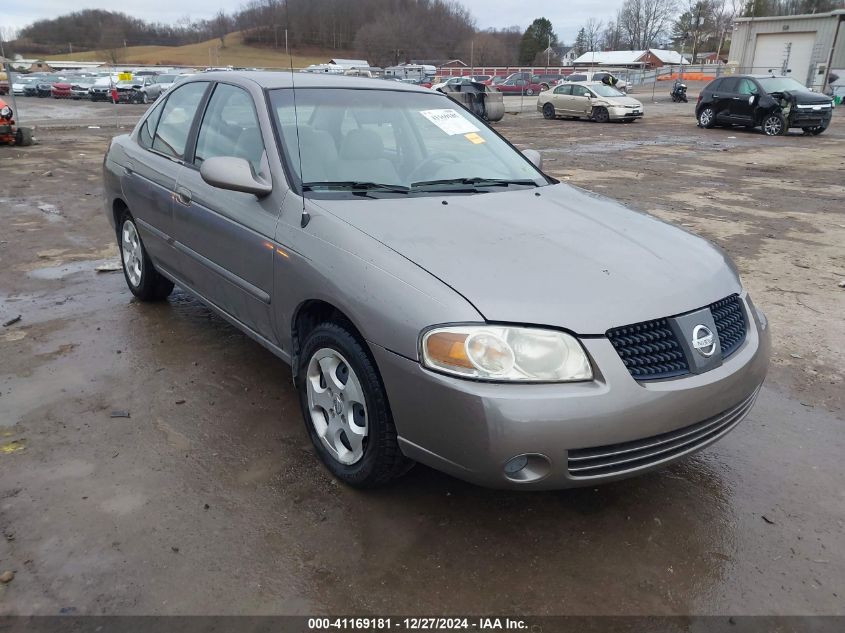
209	499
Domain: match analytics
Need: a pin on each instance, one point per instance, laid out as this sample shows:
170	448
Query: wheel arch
118	208
307	316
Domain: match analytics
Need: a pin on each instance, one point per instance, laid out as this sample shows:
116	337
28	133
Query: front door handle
183	196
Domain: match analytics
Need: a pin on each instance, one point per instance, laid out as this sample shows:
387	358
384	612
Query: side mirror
751	99
234	174
534	156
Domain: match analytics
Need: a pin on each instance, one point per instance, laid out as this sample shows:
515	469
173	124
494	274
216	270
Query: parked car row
144	87
529	84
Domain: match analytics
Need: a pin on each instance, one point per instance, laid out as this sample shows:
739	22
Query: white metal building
804	47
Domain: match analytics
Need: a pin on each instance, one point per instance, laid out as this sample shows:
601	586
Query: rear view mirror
234	174
534	156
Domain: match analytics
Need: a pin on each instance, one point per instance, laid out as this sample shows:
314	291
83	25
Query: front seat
362	158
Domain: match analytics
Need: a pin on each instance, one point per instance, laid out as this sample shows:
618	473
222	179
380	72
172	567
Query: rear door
723	98
151	168
226	236
560	98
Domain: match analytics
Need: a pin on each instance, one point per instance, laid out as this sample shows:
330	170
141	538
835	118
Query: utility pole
549	52
472	56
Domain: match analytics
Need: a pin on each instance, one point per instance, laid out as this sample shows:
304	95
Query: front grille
626	457
730	323
649	350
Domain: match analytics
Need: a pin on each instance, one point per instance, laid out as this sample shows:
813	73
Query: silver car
439	298
589	100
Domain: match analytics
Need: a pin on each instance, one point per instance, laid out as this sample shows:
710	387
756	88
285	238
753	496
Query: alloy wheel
133	255
706	117
336	405
773	126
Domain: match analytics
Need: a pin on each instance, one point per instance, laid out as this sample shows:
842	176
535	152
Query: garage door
774	51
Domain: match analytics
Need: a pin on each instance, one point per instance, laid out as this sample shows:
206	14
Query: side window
148	128
177	115
563	90
230	128
729	84
747	87
714	86
579	91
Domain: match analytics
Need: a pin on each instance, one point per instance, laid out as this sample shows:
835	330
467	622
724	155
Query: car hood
805	97
564	258
621	101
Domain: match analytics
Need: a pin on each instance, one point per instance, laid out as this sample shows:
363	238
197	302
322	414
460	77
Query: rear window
577	78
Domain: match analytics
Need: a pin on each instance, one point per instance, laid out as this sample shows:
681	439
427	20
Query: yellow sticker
472	137
124	76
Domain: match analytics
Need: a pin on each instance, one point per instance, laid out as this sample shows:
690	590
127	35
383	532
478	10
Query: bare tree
593	33
644	21
221	25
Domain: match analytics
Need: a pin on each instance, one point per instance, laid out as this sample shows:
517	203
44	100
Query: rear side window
230	128
715	85
729	84
177	116
145	134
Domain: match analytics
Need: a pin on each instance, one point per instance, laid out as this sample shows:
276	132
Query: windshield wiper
453	184
355	186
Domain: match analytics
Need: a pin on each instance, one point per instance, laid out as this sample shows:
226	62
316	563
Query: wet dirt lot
209	499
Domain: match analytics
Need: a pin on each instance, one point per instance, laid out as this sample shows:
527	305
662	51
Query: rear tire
23	137
335	367
549	111
143	279
707	118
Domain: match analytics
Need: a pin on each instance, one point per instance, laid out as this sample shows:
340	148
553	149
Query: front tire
815	130
529	92
774	125
345	407
549	111
143	279
601	115
707	118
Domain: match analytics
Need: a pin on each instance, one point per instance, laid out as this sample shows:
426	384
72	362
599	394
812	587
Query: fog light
516	464
527	468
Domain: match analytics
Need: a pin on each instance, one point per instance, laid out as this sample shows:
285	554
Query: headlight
6	112
502	353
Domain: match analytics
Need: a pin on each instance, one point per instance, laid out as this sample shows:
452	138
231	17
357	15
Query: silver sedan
439	298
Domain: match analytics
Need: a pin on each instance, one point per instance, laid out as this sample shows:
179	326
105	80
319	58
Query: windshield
414	143
779	84
165	79
606	91
103	81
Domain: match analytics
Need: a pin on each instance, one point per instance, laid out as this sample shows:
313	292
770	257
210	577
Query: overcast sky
566	15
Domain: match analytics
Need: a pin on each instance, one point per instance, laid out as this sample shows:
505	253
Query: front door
744	102
226	236
723	99
581	101
152	167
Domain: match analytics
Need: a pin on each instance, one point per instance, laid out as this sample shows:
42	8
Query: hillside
208	53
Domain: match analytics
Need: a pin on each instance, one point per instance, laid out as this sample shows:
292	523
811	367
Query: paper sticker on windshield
474	138
450	121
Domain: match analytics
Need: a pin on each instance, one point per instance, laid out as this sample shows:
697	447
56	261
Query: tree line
394	31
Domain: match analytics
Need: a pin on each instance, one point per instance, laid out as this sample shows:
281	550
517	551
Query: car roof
589	84
271	80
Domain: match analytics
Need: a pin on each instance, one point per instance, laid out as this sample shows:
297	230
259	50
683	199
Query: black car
774	104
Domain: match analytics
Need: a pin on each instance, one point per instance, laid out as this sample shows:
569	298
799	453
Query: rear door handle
183	196
128	169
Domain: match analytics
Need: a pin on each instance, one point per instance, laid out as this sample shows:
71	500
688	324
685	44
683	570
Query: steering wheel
428	162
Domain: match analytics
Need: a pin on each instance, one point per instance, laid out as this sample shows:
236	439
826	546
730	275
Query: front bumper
472	429
625	113
807	117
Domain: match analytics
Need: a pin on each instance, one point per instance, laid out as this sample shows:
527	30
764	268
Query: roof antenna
306	217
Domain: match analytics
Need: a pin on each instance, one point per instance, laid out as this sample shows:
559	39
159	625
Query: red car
519	86
60	90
